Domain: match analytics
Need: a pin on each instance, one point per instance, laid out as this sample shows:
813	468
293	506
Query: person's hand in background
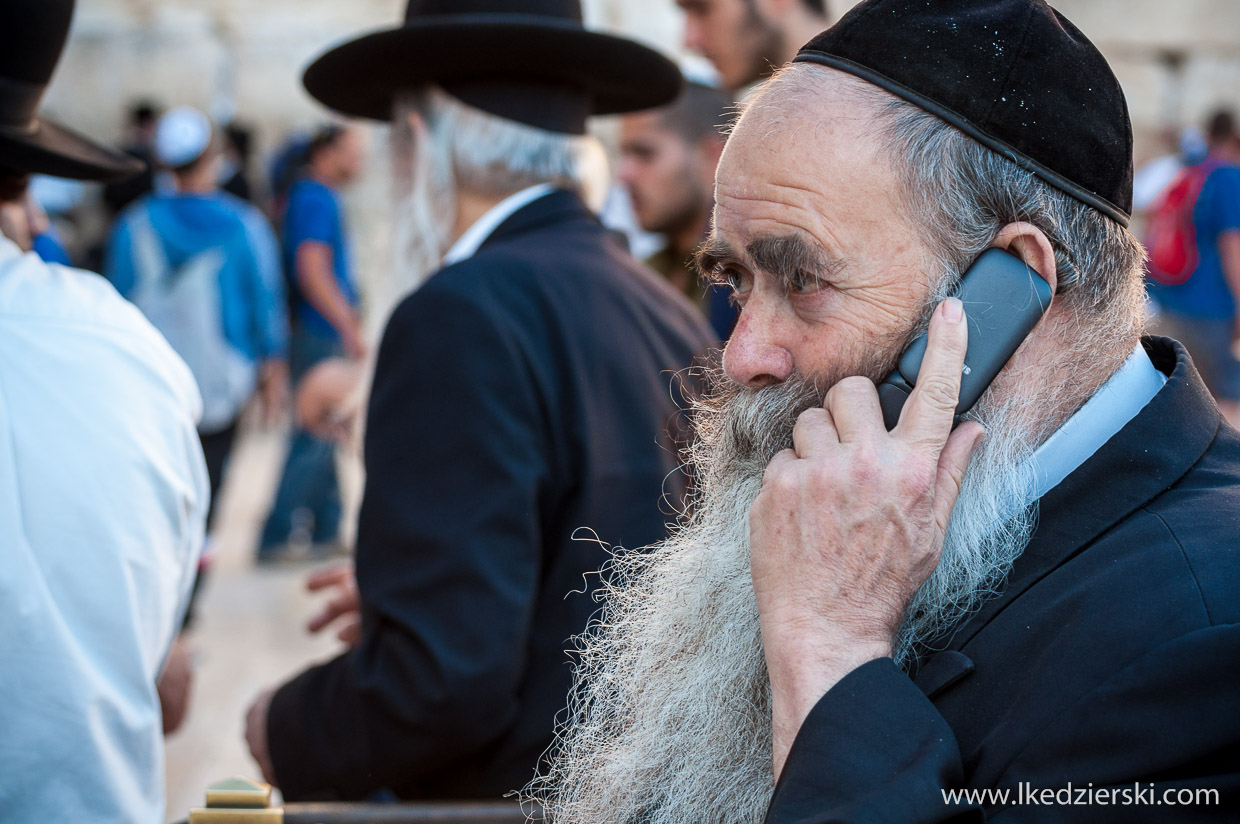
175	684
326	403
256	735
344	607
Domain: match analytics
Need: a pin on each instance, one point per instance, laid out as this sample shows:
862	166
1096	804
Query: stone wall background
1177	60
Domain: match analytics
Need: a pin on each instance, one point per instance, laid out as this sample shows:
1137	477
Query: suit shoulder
507	284
457	308
1200	517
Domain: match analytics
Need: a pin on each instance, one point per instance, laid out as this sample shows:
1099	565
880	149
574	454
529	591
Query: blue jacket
204	269
254	311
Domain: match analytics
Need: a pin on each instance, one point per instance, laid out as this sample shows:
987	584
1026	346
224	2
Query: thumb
953	462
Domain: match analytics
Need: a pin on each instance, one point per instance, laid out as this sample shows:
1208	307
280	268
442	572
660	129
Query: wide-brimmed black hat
526	60
1014	75
32	36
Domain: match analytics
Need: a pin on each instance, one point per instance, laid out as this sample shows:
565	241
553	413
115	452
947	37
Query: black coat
521	407
1111	659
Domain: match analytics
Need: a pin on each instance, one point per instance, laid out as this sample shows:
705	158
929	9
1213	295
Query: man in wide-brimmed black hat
1027	609
102	486
520	412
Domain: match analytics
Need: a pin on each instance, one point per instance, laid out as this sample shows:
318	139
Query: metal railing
446	812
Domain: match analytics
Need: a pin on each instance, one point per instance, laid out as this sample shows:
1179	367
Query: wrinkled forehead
813	120
808	152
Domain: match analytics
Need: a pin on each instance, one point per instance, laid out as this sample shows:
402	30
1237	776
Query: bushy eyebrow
789	258
714	251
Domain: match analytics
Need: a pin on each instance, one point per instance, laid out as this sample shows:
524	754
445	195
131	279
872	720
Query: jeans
309	489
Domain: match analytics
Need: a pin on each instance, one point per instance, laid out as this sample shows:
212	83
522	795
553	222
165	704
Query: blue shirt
1206	293
252	304
1099	419
314	216
49	247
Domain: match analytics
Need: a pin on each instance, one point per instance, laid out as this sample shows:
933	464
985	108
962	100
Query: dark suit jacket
1112	658
520	408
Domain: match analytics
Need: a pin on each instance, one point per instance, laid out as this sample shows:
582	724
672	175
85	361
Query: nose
755	355
693	35
625	173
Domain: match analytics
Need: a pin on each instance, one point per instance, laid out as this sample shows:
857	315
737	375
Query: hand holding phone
1003	300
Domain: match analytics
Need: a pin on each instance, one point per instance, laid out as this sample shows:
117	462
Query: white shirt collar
467	244
1116	403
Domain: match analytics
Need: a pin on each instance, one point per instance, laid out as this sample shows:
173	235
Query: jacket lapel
941	671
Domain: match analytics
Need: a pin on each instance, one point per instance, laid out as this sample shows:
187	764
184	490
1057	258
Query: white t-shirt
103	494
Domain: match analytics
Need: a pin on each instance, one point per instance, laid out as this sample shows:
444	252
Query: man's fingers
853	404
779	463
813	432
953	462
343	604
330	576
928	414
351	632
322	619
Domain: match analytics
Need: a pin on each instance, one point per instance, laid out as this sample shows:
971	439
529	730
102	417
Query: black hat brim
52	149
362	77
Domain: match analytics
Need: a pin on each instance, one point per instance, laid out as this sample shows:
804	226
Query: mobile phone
1003	300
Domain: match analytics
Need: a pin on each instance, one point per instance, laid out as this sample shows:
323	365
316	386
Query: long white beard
670	719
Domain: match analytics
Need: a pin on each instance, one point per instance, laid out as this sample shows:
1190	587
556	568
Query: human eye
738	282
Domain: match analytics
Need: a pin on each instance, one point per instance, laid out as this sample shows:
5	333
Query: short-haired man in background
668	159
747	40
1203	311
325	322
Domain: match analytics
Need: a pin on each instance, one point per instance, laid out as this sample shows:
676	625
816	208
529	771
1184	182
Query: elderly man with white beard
1032	615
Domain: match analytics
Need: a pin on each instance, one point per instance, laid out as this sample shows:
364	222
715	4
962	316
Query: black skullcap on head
1014	75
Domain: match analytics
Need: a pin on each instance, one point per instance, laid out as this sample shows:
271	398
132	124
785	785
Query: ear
1030	244
15	223
417	127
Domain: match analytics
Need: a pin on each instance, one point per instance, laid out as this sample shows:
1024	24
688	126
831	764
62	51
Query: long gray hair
441	146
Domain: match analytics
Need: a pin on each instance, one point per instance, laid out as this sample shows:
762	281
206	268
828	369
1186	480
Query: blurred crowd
529	378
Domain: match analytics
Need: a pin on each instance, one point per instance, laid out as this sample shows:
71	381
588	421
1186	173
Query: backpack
183	303
1170	236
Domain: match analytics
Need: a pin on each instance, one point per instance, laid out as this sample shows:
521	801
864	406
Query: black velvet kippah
1014	75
